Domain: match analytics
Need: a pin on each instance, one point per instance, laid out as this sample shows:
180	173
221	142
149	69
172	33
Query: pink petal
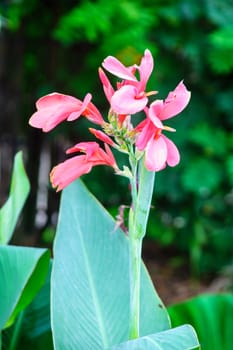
108	89
173	155
93	114
154	113
87	147
40	118
114	66
54	99
122	118
48	118
175	102
96	155
124	101
83	106
145	135
68	171
53	109
145	69
111	159
156	154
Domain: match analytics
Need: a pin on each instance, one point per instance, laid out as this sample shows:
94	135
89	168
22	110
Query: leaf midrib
99	315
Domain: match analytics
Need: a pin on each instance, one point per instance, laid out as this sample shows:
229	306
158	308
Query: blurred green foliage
210	315
66	41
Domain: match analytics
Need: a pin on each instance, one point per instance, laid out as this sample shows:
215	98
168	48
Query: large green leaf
22	273
205	168
90	279
180	338
11	210
32	329
211	315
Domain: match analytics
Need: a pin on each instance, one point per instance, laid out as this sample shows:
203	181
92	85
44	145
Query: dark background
48	46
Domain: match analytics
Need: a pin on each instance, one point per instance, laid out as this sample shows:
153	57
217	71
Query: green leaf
180	338
22	273
219	53
11	210
202	176
229	168
32	328
219	12
211	315
90	279
202	135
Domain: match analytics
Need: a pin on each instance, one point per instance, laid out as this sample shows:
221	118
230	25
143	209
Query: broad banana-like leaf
179	338
90	279
11	210
23	272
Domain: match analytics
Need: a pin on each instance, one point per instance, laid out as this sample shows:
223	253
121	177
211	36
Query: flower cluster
119	131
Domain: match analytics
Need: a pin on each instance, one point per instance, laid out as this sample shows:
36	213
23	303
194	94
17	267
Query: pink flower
130	96
159	150
68	171
55	108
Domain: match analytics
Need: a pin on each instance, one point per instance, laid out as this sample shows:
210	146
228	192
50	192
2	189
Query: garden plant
101	294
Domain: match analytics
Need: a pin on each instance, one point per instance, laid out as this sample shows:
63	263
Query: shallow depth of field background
48	46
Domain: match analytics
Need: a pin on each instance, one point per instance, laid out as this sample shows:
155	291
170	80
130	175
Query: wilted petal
125	101
114	66
175	102
173	155
68	171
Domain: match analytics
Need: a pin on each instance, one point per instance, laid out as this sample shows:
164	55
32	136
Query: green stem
143	204
134	179
138	217
135	267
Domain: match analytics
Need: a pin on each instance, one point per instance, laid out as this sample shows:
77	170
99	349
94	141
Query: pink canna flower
68	171
130	96
159	150
55	108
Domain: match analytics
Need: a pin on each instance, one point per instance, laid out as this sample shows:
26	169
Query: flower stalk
135	249
143	181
